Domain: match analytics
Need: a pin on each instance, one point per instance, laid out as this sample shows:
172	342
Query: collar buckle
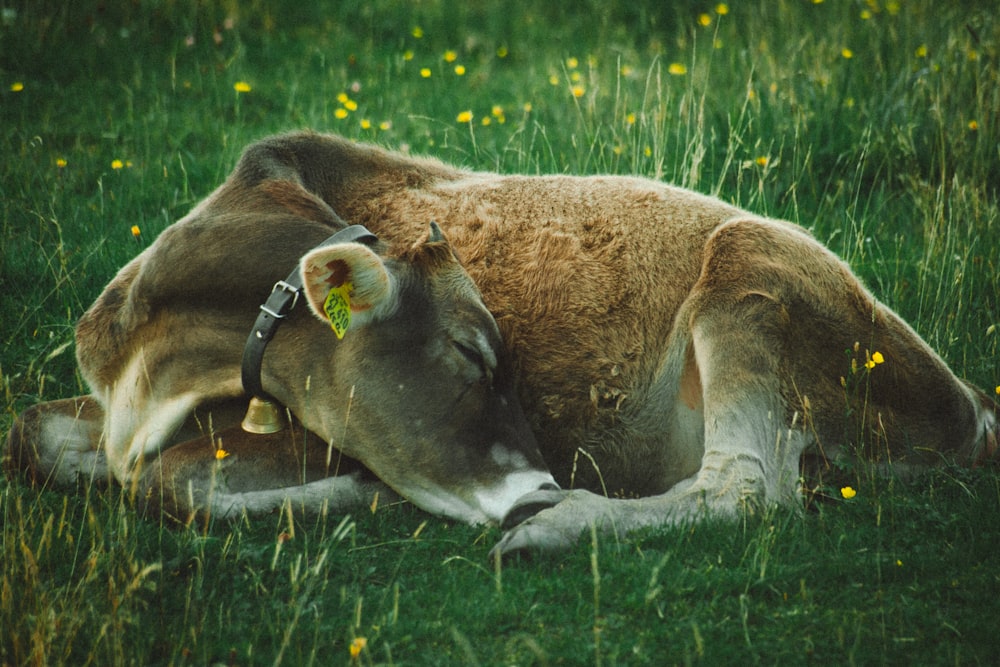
284	297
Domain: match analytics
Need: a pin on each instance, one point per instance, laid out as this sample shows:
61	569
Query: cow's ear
347	285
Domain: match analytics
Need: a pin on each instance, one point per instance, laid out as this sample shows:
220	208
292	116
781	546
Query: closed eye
475	357
471	354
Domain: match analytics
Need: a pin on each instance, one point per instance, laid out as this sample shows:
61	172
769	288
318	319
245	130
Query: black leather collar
282	300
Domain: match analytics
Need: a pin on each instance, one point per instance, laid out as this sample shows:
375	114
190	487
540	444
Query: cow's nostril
531	504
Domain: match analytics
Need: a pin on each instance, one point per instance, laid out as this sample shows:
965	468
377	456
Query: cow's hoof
556	527
531	504
533	538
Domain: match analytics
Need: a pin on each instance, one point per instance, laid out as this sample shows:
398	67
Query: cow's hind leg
231	472
58	443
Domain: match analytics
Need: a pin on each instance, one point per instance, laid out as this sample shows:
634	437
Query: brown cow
667	348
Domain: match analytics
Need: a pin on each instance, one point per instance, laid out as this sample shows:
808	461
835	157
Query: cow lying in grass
673	355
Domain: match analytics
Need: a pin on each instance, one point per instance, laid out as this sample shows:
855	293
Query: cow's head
423	392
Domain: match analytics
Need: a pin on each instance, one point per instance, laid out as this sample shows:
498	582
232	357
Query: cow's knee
20	456
57	442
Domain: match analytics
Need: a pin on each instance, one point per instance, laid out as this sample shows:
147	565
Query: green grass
891	156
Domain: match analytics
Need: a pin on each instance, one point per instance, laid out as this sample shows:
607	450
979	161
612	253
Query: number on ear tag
338	308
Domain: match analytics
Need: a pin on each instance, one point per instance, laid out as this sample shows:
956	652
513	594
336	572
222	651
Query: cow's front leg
232	472
730	484
752	444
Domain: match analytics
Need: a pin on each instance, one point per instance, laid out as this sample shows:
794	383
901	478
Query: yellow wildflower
220	454
425	72
358	645
847	54
973	125
342	98
136	231
340	113
704	20
848	493
241	87
486	121
677	69
497	110
527	107
997	390
502	52
630	118
578	91
554	80
450	56
464	117
16	87
874	360
417	32
460	70
865	14
921	51
407	55
572	63
626	70
61	162
350	105
722	9
385	125
762	161
366	124
117	164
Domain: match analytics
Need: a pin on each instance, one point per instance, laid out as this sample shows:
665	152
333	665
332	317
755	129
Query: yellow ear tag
338	308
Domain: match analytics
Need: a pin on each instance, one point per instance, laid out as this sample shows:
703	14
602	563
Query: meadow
875	124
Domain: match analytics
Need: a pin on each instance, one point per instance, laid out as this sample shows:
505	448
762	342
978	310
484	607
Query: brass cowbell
262	417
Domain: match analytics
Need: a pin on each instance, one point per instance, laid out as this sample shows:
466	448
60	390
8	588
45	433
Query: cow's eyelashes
471	354
475	357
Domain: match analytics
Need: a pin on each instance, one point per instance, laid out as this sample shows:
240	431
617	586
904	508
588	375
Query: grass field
874	124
